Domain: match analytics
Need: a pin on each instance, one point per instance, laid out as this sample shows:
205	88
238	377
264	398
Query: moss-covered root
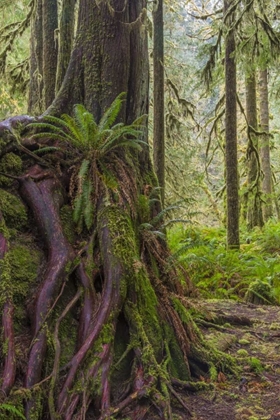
110	305
44	199
7	312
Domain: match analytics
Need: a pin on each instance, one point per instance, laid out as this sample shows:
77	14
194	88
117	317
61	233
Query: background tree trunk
254	208
50	48
35	97
265	145
66	38
232	183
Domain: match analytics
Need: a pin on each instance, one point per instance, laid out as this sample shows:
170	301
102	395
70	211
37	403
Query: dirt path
252	333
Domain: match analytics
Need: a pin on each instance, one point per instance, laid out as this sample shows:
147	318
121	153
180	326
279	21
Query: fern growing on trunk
90	144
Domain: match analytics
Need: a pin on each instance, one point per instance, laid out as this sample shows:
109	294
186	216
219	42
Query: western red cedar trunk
254	208
232	183
158	91
265	144
35	97
66	38
50	48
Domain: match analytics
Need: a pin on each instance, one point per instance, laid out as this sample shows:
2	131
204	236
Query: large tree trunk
253	197
158	104
232	183
103	330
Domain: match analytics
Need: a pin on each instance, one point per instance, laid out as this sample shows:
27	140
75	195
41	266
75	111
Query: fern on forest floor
221	273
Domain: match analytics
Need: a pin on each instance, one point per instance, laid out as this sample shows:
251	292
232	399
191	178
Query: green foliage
90	143
221	273
13	412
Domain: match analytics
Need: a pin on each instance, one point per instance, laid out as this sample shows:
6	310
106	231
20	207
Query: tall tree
35	96
232	183
265	144
66	38
107	327
158	104
50	48
254	207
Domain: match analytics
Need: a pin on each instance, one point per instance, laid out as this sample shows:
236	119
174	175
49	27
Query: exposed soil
252	334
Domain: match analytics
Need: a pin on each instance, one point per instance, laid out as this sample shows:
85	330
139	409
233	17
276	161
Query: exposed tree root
119	281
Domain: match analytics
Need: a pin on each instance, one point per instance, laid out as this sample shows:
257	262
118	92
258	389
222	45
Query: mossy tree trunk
253	193
265	145
66	38
158	103
232	182
102	328
50	48
35	97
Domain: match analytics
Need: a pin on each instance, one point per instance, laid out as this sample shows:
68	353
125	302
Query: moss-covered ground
250	333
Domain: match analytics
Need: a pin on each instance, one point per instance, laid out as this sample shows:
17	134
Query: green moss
143	208
66	217
10	164
242	353
256	365
177	365
13	210
21	273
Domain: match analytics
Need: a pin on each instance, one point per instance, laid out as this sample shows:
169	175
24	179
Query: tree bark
158	103
66	38
232	183
50	48
35	97
264	145
254	208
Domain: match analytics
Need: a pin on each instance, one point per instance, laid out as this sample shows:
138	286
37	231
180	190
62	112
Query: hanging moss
13	210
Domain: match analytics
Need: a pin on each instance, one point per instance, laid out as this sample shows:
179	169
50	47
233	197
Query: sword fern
92	142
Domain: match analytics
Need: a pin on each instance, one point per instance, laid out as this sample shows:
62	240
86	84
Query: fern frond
55	136
83	169
117	142
88	205
73	127
107	176
11	409
159	234
46	150
146	226
47	126
86	123
78	206
110	115
163	212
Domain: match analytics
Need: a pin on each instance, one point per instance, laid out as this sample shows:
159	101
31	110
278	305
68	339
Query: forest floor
251	333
